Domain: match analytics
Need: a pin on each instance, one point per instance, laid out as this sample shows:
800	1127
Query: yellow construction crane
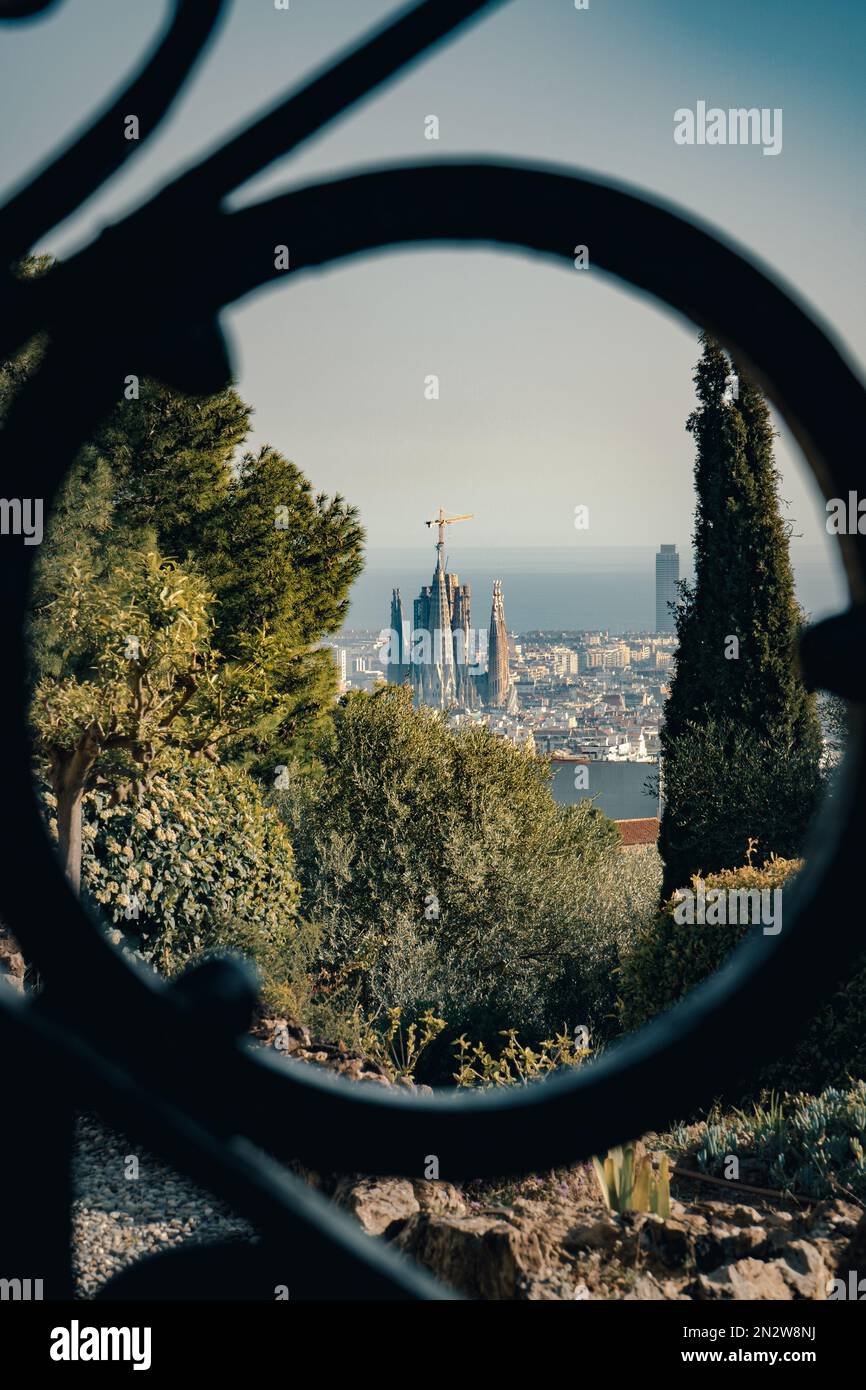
442	521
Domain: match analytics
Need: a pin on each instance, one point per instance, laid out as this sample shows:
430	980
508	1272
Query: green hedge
667	958
194	861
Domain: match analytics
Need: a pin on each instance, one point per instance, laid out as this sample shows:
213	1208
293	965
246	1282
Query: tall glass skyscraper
667	578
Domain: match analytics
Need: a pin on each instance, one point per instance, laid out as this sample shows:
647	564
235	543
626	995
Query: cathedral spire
498	679
398	666
440	685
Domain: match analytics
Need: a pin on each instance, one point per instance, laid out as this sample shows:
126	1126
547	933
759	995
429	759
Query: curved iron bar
24	9
387	51
73	175
295	1218
686	267
101	327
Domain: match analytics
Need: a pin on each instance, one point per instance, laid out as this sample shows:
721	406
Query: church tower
499	691
398	666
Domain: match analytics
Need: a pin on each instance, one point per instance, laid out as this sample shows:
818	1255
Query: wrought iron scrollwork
168	1063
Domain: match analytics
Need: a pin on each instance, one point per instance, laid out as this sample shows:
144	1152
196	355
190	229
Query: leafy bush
666	958
516	1063
618	902
722	783
814	1145
193	861
443	875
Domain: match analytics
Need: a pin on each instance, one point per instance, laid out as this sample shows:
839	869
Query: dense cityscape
579	697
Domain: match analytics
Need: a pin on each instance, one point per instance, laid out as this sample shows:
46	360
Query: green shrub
193	861
443	875
810	1145
666	958
722	783
396	1046
515	1064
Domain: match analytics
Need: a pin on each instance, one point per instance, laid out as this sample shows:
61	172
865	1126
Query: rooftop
644	831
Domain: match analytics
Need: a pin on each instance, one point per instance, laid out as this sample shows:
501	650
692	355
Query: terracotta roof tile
640	831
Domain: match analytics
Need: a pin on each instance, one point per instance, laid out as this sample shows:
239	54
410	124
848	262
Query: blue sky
553	393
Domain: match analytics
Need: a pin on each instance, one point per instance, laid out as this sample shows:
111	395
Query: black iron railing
168	1064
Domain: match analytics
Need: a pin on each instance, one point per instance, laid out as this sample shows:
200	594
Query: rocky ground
546	1238
128	1204
551	1247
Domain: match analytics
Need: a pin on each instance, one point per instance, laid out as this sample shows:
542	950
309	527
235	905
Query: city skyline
582	698
440	653
576	587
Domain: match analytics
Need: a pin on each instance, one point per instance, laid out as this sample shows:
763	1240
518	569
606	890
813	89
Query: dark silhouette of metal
168	1064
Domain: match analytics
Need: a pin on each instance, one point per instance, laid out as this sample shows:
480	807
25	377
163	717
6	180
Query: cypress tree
738	716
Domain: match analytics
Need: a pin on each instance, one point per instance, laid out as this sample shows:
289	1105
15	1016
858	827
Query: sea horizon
583	587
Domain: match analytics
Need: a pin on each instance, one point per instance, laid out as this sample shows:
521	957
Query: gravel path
118	1217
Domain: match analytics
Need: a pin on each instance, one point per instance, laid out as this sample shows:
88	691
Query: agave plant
634	1185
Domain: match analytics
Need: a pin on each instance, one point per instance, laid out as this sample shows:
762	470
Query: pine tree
737	626
171	459
281	559
162	478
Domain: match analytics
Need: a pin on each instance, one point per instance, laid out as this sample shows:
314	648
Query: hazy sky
557	389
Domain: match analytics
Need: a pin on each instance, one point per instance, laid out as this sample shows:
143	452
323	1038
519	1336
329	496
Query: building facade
667	579
443	655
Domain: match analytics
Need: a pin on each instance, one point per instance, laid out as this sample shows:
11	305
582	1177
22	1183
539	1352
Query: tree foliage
665	959
227	570
171	458
194	860
726	785
742	700
282	559
277	558
129	674
439	869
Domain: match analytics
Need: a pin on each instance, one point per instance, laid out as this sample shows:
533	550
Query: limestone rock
596	1233
646	1287
377	1203
439	1198
800	1273
483	1256
723	1243
11	962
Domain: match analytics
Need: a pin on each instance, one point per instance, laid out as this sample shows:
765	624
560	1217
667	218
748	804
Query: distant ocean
600	588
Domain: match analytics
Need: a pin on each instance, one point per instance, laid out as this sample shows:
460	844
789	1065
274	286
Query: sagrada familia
442	654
